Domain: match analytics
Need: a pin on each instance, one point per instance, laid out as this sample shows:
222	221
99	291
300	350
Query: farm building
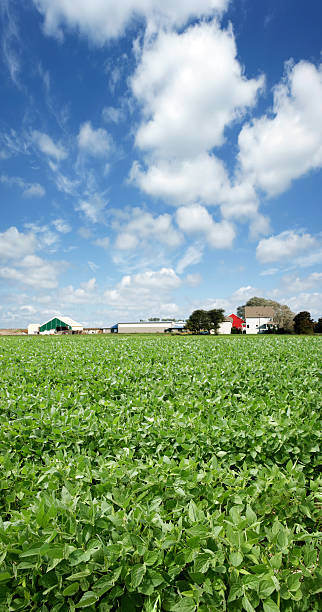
54	325
142	327
96	330
177	328
238	323
33	329
258	319
225	326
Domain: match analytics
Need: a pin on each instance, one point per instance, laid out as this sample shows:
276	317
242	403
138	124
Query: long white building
143	327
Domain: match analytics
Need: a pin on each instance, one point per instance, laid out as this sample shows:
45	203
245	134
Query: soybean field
160	473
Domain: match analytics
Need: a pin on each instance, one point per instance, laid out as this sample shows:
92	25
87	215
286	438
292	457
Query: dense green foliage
205	320
303	324
318	326
159	473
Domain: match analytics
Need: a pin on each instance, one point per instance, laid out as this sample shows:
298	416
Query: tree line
286	321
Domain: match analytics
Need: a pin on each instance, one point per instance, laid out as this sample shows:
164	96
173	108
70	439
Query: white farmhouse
258	319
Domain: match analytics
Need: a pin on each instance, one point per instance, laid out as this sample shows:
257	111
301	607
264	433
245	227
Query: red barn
238	323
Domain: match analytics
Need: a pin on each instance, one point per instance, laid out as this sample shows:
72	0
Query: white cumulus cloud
104	243
286	245
292	283
196	219
191	86
312	302
84	294
143	227
202	177
15	244
145	294
286	144
102	20
94	142
125	241
62	226
32	271
165	278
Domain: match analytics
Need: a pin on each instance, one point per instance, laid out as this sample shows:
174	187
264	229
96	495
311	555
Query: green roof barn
60	323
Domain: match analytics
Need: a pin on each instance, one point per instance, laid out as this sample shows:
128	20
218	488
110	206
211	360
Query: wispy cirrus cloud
13	144
62	226
29	190
111	114
93	207
10	41
191	257
47	146
104	242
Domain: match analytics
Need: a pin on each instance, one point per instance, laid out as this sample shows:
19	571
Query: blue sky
158	157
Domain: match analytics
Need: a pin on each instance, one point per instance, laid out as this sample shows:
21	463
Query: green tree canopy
283	316
216	316
204	320
303	324
198	321
318	326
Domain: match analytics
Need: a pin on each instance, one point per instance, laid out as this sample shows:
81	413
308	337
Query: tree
318	326
303	323
198	321
241	311
204	320
283	316
216	316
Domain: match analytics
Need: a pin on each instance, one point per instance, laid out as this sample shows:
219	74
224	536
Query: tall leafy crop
156	473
